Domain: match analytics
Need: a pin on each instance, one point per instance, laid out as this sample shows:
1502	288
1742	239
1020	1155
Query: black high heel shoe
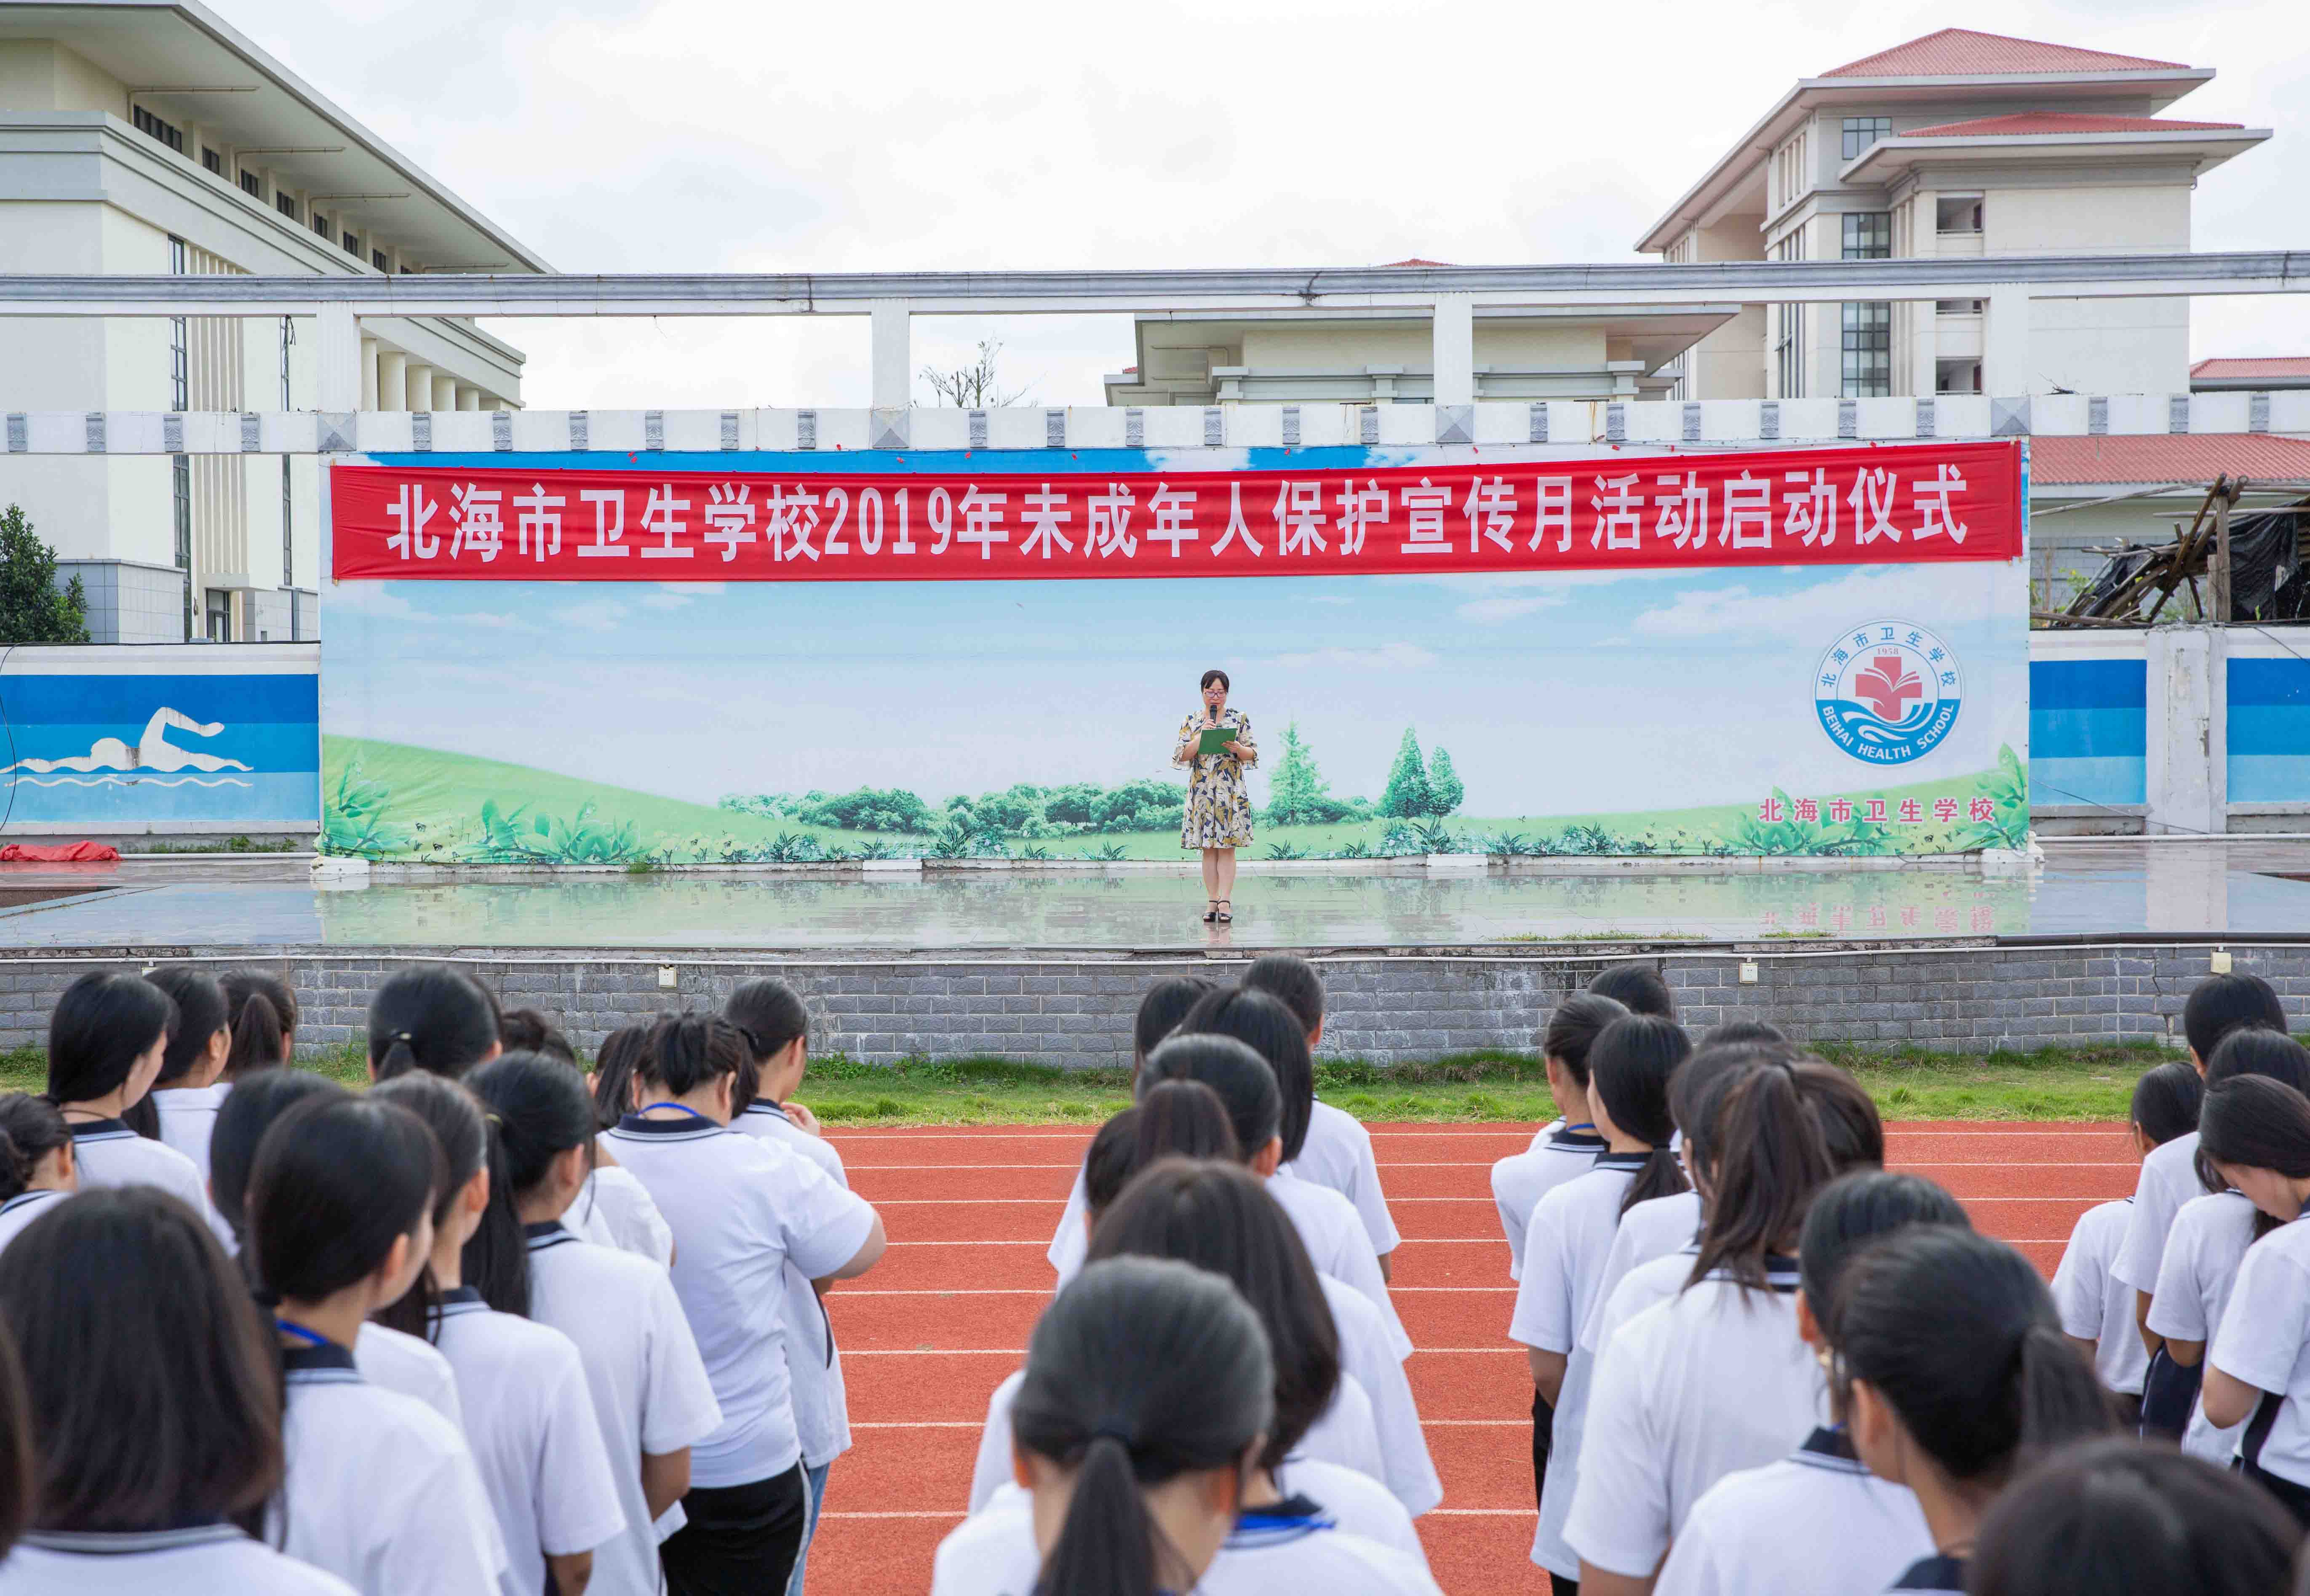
1227	915
1212	913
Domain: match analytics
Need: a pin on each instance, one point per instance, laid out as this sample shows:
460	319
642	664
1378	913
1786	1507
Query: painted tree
1444	789
1297	789
32	608
1407	795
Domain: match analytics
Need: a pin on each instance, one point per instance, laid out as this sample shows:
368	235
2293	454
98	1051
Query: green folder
1216	739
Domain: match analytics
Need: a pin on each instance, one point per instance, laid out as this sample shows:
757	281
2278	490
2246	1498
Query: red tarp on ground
71	852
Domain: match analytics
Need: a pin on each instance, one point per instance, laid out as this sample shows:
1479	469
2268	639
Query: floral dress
1219	806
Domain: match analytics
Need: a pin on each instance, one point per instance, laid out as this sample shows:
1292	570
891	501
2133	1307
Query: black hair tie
1117	1431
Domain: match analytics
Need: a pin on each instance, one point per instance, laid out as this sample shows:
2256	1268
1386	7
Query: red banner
1893	504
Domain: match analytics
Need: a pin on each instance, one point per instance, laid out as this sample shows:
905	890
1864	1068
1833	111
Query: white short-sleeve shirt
1521	1180
379	1489
1564	1250
1071	1242
111	1154
2093	1303
187	1115
2168	1179
1337	1154
648	1384
1369	1356
210	1560
1815	1523
821	1402
1337	1244
2264	1341
1712	1381
529	1420
1657	1227
2203	1250
20	1210
741	1209
409	1365
1656	1279
614	1210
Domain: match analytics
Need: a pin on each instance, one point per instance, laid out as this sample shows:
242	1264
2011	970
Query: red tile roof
2161	458
1960	52
1414	261
2241	368
2021	122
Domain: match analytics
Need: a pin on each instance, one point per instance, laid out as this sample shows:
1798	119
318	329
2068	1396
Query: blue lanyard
678	1107
1586	1124
311	1338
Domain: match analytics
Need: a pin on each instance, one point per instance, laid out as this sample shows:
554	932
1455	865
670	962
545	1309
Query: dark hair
1291	980
1850	1213
1111	1160
525	1030
103	1023
1772	1161
337	1181
614	1068
201	1014
1272	1031
2219	1004
19	1477
538	1105
1166	1004
1244	1083
1638	987
1218	1217
32	1128
2252	1051
769	1014
2257	1122
1175	1119
495	1260
1697	1091
1629	1069
2121	1518
258	1098
1957	1334
264	1014
1761	1035
1572	1030
149	1373
1215	675
1141	1370
430	1017
1851	1128
2165	1100
688	1051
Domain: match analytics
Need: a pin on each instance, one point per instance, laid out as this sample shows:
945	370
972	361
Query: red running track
969	1211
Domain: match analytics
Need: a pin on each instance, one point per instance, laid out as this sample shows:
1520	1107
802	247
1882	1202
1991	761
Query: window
251	184
167	133
378	257
284	204
1861	132
180	479
1959	213
352	244
213	161
1868	351
1790	176
1956	307
320	224
288	501
180	374
1788	328
1868	235
220	615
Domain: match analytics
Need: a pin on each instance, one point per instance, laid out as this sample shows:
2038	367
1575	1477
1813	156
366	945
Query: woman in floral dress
1218	808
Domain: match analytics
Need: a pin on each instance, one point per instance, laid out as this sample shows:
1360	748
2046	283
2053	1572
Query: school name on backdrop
1893	504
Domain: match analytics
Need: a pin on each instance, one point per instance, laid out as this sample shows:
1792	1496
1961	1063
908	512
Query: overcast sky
690	135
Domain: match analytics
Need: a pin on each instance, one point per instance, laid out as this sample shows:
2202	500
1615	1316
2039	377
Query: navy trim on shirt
114	1543
327	1362
1623	1161
669	1130
1279	1523
774	1110
546	1232
1939	1571
462	1299
23	1199
1572	1140
1830	1448
100	1130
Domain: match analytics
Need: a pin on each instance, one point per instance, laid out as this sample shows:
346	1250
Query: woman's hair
102	1025
1274	1033
1175	1119
1956	1334
538	1106
1219	676
2121	1518
1638	987
19	1478
33	1128
263	1013
430	1017
1759	1034
2220	1005
1630	1068
2256	1122
258	1098
614	1068
1219	1217
1110	1160
1241	1077
1770	1161
1572	1030
769	1014
2165	1100
337	1181
201	1014
1166	1004
2252	1051
1850	1125
1697	1091
1291	980
1141	1370
688	1051
149	1373
495	1260
1850	1213
525	1030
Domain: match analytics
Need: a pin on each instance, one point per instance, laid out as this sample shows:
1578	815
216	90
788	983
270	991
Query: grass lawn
2054	1083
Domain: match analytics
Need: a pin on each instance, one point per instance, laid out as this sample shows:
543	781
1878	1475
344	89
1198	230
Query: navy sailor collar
1631	1161
25	1199
1294	1518
329	1361
128	1542
1574	1139
695	1127
462	1299
1829	1447
99	1130
763	1106
546	1232
1939	1571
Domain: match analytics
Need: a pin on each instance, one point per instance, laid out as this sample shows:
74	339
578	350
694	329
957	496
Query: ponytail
1851	1128
2062	1400
614	1068
1106	1543
1630	1066
15	1167
496	1258
1771	1161
1572	1030
1183	1119
201	1014
538	1106
270	1034
769	1014
433	1017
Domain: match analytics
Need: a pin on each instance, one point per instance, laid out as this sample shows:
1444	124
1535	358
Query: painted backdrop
685	658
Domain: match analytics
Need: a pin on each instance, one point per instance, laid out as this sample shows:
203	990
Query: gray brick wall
1077	1012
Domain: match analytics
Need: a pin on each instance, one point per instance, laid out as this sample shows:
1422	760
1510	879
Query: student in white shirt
35	1162
1337	1151
191	1085
1665	1421
614	1210
1952	1366
1160	1010
106	1042
1816	1523
166	1333
2116	1518
434	1017
1567	1148
529	1413
651	1395
741	1210
1630	1066
380	1490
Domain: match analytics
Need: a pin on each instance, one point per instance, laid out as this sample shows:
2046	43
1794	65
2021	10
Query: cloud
1388	656
594	615
1493	611
1821	610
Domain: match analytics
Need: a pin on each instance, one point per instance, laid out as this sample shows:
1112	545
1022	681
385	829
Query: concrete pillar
2005	370
1924	348
892	364
1454	332
392	379
338	353
419	393
469	397
445	392
368	374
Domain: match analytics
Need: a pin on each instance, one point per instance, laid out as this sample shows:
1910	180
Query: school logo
1888	692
